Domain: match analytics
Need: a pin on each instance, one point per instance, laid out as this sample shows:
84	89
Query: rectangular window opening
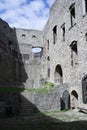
72	14
63	31
48	44
86	6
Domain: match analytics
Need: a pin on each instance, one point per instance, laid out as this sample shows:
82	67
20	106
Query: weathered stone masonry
62	59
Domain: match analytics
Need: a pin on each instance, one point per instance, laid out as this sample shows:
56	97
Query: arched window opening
58	75
84	89
72	14
23	36
74	99
37	51
74	53
65	100
33	37
54	34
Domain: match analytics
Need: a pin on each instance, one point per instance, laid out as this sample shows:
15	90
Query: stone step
23	104
27	109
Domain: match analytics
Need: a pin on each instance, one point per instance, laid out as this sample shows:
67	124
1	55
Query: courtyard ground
54	120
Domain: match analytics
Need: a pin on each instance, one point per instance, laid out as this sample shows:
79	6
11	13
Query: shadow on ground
34	119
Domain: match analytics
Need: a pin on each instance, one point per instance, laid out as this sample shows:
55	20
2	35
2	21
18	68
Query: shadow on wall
12	73
32	119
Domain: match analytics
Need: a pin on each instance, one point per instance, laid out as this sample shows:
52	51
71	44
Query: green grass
48	87
37	90
10	89
51	112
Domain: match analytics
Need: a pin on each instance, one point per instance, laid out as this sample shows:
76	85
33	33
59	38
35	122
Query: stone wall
43	101
9	70
33	62
60	53
61	61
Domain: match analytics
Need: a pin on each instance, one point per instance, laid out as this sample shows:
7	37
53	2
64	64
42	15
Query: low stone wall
43	101
47	102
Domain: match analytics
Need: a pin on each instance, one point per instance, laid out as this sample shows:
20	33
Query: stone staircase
27	108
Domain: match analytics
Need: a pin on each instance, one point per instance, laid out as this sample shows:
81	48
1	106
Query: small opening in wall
86	6
33	37
86	36
23	35
48	44
63	31
48	58
74	53
72	14
54	34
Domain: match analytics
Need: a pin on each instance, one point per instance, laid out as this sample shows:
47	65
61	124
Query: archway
84	89
58	74
74	99
65	100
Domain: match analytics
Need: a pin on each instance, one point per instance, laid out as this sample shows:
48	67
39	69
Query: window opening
54	34
72	14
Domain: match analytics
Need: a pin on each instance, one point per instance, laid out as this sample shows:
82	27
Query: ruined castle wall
60	52
33	62
9	70
9	62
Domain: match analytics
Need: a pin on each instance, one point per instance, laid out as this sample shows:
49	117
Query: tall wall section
33	61
67	26
9	70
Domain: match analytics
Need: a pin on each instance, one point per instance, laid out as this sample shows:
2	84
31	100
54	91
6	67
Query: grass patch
11	89
37	90
48	87
51	112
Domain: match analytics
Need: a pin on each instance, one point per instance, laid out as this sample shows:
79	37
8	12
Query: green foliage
49	85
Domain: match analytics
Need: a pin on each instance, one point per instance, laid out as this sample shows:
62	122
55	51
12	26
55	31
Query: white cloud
25	14
50	2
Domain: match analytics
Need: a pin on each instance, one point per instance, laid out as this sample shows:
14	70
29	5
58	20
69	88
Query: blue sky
30	14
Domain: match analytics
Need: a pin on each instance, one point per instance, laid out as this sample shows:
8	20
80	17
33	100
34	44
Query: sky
28	14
